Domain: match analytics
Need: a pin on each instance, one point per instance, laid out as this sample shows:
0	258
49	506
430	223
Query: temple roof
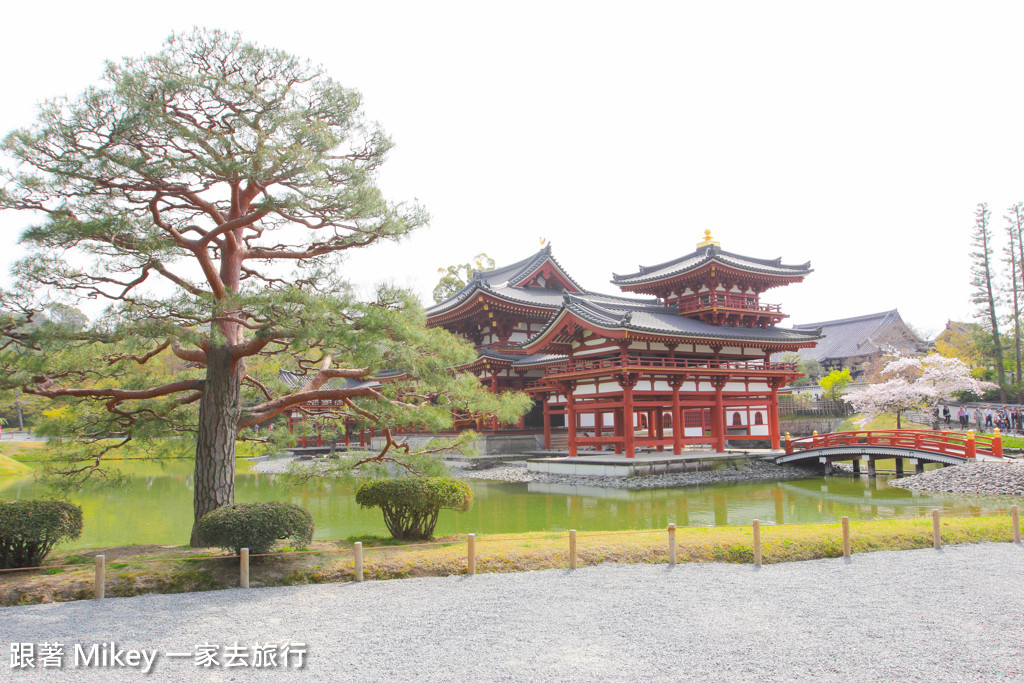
705	255
504	282
859	336
296	381
659	320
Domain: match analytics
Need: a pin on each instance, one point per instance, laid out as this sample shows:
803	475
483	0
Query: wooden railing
661	363
963	444
735	301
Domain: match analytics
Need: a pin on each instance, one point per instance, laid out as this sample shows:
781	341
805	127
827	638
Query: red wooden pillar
617	428
598	420
659	431
627	417
547	423
570	418
718	416
773	415
677	418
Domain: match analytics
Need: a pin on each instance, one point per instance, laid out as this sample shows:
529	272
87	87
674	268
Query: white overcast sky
858	136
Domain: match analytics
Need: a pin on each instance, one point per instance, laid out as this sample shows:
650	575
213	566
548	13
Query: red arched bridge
916	446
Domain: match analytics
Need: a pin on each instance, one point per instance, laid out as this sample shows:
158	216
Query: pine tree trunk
215	439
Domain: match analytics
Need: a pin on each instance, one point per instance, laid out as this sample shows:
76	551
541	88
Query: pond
156	506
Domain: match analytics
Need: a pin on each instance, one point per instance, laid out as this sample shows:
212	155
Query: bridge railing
963	444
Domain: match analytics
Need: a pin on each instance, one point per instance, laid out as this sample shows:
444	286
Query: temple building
681	358
857	343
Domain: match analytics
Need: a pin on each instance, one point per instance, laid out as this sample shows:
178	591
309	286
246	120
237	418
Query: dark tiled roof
498	282
705	255
296	381
853	337
658	319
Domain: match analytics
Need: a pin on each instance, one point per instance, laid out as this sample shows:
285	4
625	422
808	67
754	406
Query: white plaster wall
584	389
735	386
587	420
693	431
605	387
662	386
518	337
702	348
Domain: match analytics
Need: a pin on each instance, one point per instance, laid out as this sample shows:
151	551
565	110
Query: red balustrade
963	444
664	363
736	301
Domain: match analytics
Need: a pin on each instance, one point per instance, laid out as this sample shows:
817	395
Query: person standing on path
988	416
946	415
978	418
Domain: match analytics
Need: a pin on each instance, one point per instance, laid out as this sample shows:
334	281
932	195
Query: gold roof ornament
708	241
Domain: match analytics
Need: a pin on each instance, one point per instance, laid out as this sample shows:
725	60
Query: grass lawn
883	421
134	570
11	466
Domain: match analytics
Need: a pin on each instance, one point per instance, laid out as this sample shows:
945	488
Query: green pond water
156	506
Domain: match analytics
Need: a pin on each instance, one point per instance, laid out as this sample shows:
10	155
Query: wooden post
471	554
243	578
627	419
997	444
358	548
936	530
547	422
970	450
672	543
847	549
572	549
757	543
789	444
677	419
570	419
99	584
1015	523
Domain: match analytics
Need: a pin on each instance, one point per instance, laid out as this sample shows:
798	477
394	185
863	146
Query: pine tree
982	277
1013	257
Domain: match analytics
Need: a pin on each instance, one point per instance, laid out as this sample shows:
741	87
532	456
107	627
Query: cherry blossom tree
917	382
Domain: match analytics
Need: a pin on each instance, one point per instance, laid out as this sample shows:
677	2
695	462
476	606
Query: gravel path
918	615
982	478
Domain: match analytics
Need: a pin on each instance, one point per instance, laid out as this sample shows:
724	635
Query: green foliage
411	504
210	192
30	528
834	382
810	369
454	278
256	526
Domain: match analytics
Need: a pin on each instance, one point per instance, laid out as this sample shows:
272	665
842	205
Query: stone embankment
516	472
980	478
751	471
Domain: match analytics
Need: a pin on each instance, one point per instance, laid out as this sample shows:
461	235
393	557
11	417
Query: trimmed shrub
30	528
256	526
410	505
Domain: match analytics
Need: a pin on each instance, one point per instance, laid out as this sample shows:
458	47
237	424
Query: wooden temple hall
681	358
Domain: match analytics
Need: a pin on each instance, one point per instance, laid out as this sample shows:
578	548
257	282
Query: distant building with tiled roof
855	342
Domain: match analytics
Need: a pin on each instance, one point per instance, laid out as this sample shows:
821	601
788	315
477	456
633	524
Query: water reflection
156	507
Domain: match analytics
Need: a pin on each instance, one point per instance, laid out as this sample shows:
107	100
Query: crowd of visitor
984	418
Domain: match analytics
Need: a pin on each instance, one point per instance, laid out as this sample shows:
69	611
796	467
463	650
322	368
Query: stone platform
599	464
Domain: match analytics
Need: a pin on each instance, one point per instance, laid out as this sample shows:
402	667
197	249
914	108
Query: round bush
256	526
30	528
410	505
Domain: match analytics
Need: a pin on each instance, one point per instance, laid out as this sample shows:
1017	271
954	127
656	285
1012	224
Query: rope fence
471	542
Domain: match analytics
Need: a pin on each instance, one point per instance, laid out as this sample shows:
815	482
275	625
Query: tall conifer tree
982	277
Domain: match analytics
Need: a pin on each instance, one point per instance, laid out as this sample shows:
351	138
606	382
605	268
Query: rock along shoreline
516	472
977	478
